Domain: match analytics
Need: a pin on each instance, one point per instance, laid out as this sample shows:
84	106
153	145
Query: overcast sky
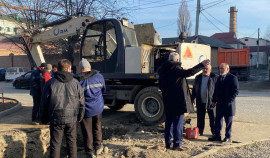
251	15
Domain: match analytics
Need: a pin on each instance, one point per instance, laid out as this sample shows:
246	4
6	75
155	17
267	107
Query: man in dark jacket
176	97
203	90
35	91
63	106
225	93
94	85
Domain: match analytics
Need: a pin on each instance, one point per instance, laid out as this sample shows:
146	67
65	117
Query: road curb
213	151
11	110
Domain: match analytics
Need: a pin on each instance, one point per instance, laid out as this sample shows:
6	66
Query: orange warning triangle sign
188	53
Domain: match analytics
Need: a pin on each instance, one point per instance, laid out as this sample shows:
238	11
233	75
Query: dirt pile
24	143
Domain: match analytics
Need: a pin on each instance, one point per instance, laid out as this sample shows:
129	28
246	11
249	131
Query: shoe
168	146
100	150
180	148
227	140
92	155
214	139
201	133
89	155
35	123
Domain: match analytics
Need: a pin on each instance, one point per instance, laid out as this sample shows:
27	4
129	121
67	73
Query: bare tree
98	9
267	34
183	21
34	13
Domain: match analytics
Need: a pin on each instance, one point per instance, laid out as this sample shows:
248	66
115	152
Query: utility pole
258	44
197	19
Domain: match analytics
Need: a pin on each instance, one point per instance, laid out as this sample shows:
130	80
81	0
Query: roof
213	42
227	37
261	48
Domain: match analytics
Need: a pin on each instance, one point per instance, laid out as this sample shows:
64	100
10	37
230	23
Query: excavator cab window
99	46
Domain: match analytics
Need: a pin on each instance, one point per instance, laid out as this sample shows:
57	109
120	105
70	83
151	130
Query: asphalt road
22	118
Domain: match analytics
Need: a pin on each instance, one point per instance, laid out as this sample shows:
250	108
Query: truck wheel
119	104
149	106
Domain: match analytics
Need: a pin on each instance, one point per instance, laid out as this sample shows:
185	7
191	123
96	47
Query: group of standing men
64	101
213	94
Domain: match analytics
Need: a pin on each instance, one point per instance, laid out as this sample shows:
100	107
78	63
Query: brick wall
22	60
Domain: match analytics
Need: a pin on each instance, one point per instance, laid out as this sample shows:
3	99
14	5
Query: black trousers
201	110
92	133
219	124
56	133
35	110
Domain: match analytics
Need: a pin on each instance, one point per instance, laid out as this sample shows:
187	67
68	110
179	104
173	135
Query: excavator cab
103	45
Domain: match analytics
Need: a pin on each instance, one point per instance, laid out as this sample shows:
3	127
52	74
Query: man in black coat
176	97
225	93
203	90
63	105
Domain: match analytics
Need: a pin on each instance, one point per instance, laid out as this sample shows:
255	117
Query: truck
238	59
129	69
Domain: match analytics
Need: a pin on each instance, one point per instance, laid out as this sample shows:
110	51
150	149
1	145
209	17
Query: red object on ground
192	133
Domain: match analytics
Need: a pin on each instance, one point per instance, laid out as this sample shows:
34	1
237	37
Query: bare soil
7	104
130	138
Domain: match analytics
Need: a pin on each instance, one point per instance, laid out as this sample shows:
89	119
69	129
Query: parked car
15	72
2	74
23	81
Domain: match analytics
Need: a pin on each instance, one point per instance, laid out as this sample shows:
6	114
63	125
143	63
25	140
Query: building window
246	39
7	29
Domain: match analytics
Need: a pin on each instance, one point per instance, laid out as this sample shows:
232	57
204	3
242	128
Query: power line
166	25
213	5
159	5
210	3
216	19
211	22
146	4
228	26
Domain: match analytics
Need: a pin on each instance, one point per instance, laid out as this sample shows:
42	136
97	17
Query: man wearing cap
176	97
94	85
35	91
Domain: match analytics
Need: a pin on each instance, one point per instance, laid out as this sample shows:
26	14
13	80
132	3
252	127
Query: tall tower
233	20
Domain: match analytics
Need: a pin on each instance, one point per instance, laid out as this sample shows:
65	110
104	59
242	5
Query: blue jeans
174	129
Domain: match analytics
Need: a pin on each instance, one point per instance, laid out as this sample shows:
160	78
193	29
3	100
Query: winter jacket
196	90
62	100
174	87
45	77
35	88
94	85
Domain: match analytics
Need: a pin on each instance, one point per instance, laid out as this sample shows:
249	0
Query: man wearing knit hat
94	85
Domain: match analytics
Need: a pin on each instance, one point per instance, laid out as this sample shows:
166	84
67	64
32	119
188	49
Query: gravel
256	150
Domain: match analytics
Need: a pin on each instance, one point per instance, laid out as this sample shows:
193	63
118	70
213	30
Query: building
249	41
8	26
259	52
213	42
230	39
